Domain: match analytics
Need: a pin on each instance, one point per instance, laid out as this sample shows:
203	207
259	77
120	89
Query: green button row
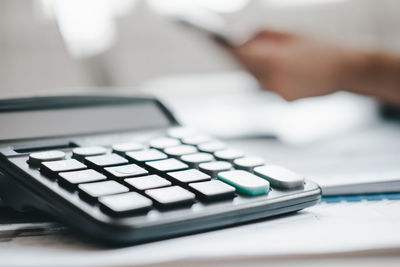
245	182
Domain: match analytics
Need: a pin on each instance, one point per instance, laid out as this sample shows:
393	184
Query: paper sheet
323	229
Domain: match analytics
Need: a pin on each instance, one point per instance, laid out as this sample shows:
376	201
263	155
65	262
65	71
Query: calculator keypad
105	160
196	139
193	160
175	172
189	176
245	182
146	155
172	196
38	157
228	154
214	167
126	203
82	152
248	163
148	182
211	147
280	177
213	190
164	142
122	148
177	151
126	171
166	165
79	177
54	167
98	189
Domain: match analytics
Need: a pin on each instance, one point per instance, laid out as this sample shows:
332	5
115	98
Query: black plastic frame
77	101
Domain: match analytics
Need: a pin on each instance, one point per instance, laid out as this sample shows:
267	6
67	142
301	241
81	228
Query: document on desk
326	229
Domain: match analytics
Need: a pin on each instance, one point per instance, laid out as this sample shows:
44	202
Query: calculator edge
19	195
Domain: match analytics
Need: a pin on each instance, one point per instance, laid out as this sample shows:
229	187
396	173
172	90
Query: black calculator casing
25	188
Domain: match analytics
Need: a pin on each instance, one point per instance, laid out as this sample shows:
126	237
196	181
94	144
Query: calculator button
125	203
167	165
213	190
211	147
164	142
228	154
248	163
196	139
176	151
193	160
126	147
78	177
82	152
94	190
148	182
53	167
146	155
38	157
212	168
245	182
189	176
171	196
180	132
126	171
280	177
106	160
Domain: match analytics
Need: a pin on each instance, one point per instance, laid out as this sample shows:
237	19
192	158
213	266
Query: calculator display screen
81	120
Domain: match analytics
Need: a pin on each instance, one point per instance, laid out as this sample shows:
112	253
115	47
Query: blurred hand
295	66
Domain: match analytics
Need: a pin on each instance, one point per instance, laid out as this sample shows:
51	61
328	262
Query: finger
274	34
264	35
255	51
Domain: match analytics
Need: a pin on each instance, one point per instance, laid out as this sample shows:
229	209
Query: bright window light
289	3
87	27
172	7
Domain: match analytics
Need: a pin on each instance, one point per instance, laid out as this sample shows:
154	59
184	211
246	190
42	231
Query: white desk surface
350	233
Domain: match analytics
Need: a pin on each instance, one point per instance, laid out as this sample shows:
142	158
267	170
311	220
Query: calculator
121	170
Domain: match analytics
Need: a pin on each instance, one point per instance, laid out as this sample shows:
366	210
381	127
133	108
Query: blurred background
51	44
54	46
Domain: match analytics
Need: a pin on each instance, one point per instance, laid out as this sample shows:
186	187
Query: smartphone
211	24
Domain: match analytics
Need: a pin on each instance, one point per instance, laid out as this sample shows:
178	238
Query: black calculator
122	170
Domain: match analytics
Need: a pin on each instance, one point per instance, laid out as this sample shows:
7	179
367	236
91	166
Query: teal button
245	182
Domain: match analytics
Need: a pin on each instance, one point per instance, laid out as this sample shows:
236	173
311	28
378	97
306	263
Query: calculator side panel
21	192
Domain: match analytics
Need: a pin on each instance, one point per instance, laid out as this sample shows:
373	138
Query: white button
280	177
37	157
